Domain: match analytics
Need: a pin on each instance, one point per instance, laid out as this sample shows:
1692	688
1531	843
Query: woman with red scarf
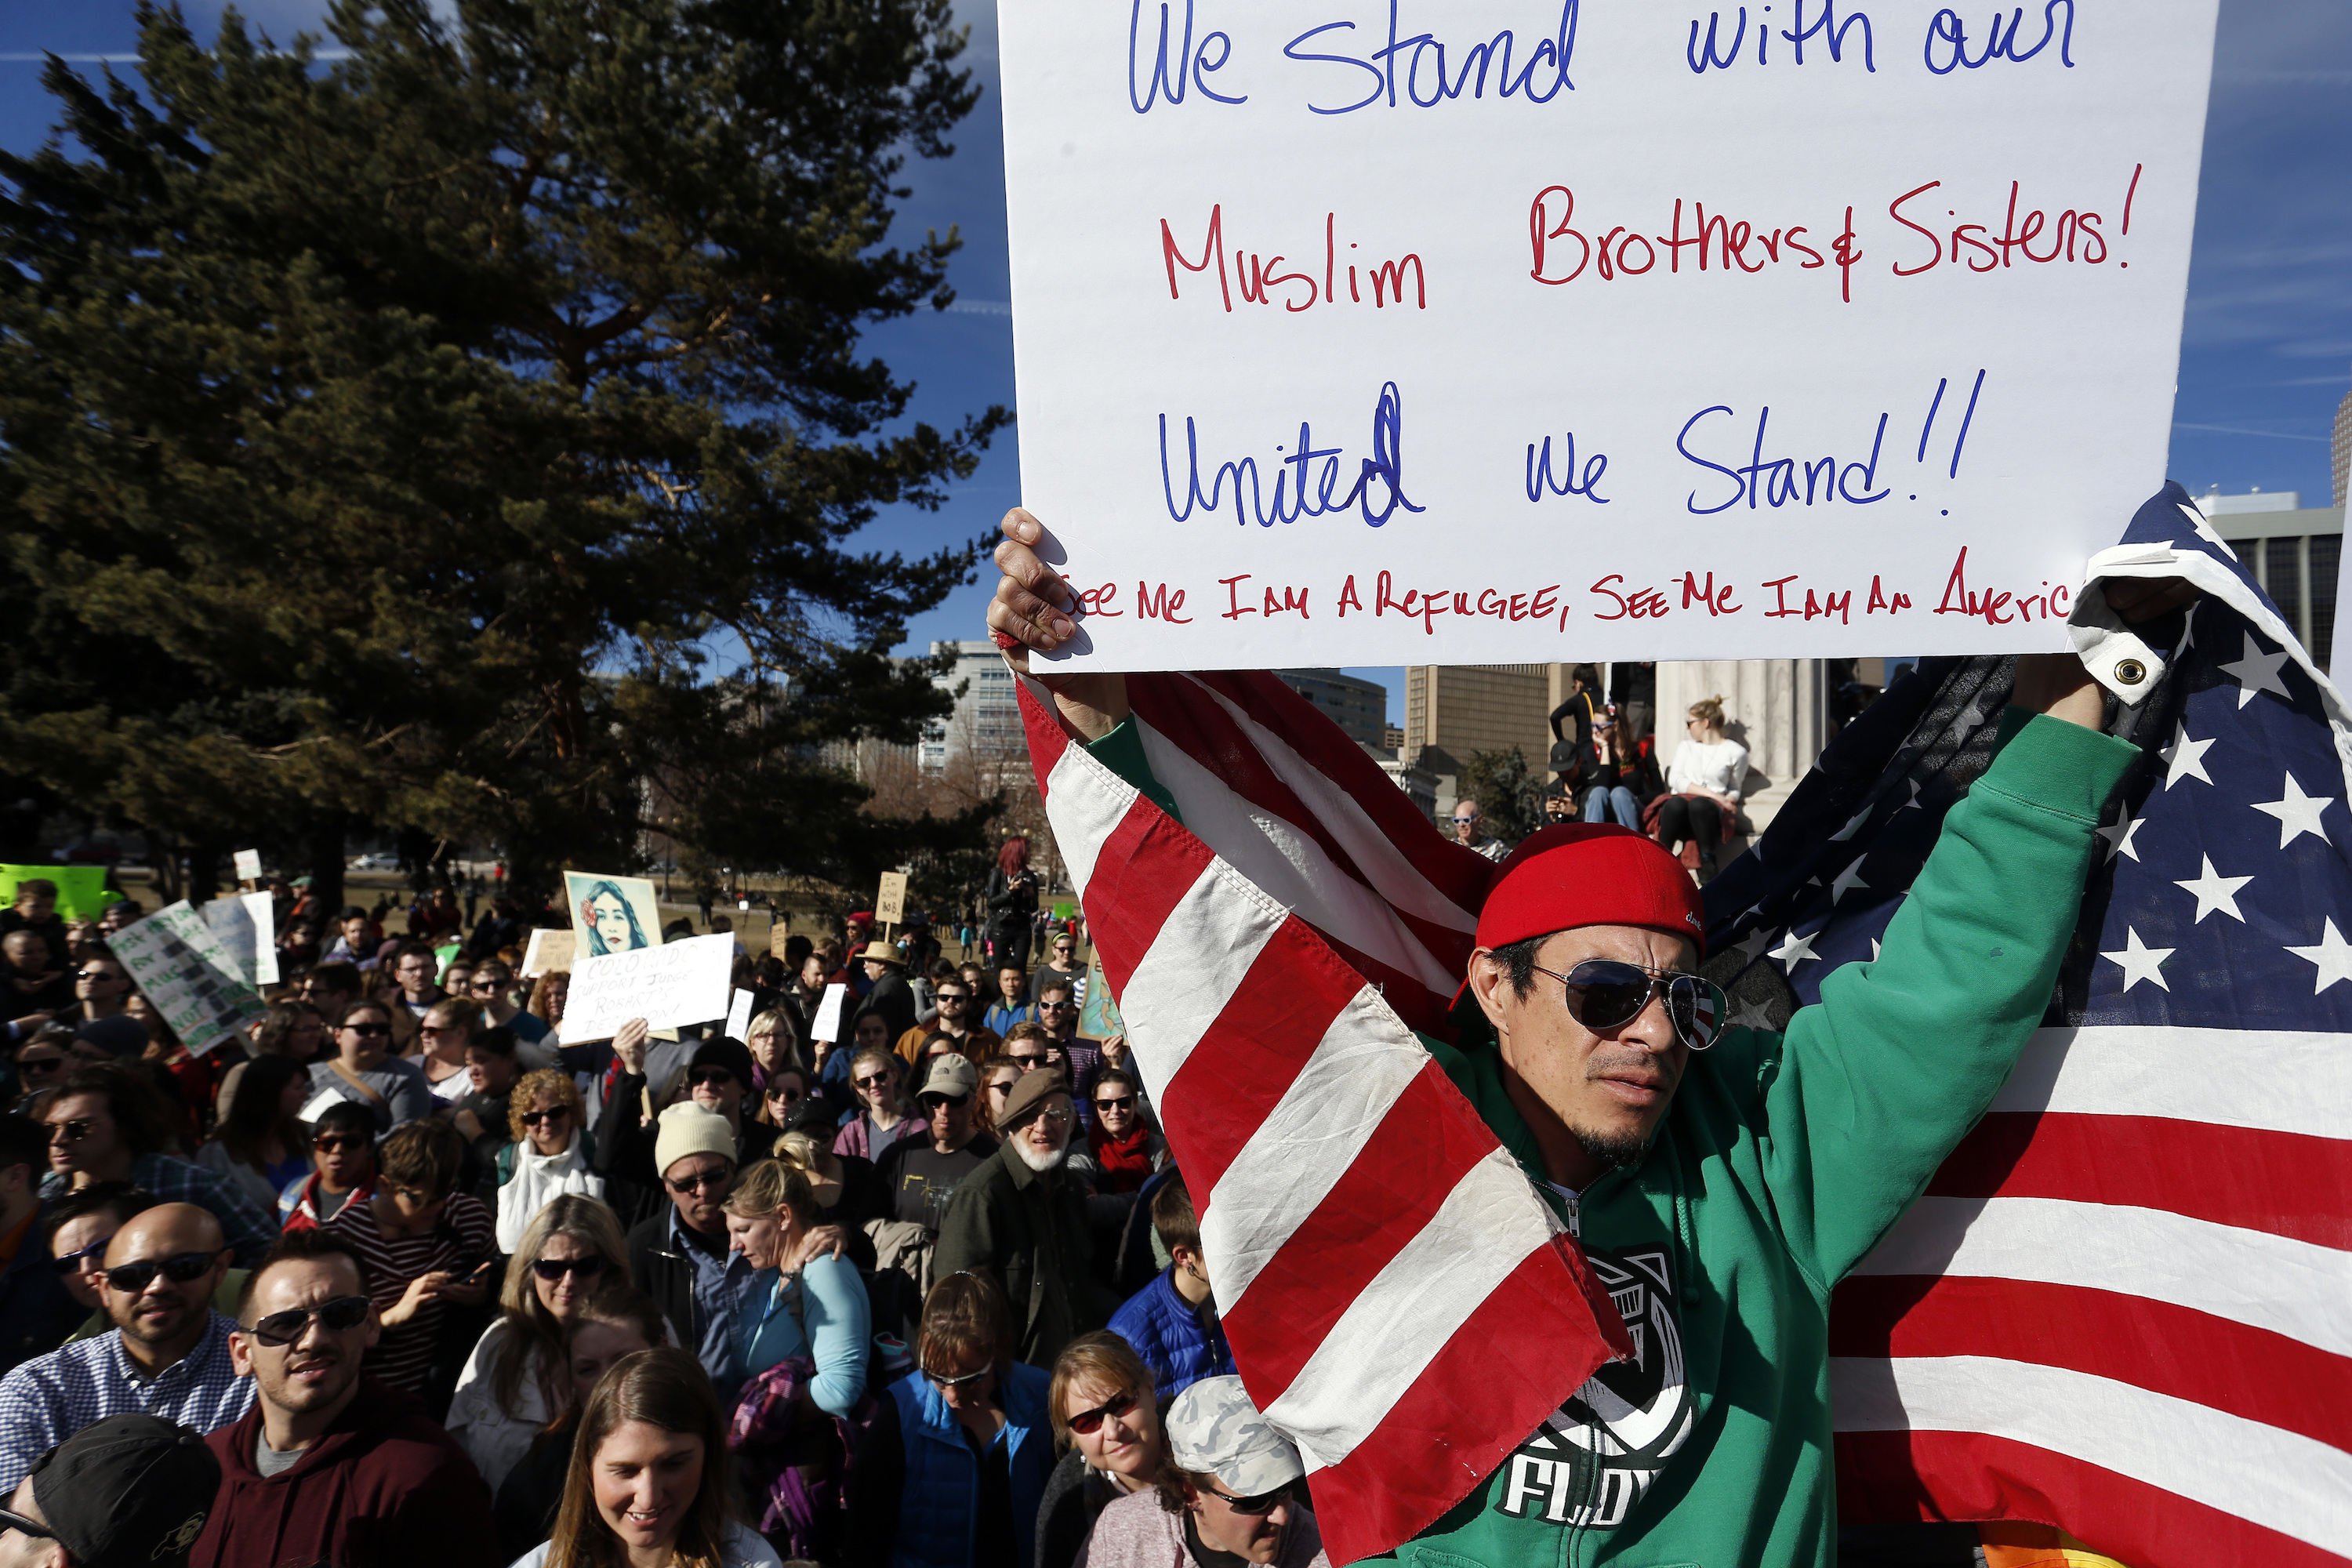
1125	1151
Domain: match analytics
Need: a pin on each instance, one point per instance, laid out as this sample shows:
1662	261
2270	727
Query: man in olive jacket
1022	1217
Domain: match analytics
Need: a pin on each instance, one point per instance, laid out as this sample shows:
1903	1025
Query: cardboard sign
1493	331
738	1016
611	914
549	953
780	932
245	924
829	1009
683	983
890	902
183	968
249	865
81	890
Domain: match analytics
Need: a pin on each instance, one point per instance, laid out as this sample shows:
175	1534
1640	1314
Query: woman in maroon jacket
331	1466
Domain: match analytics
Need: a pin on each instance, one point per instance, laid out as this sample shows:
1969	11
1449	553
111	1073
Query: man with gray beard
1023	1218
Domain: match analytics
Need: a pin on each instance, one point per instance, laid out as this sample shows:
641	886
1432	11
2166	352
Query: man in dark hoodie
331	1466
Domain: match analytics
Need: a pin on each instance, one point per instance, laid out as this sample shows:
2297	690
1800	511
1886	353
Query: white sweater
538	1179
1719	769
493	1438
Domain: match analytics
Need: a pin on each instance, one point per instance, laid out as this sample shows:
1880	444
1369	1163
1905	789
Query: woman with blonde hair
1107	1416
923	1487
618	1321
1702	784
449	1027
551	1153
773	1042
812	1306
648	1483
515	1380
849	1191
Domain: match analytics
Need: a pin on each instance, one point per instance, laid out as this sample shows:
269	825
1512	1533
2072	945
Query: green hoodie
1781	1163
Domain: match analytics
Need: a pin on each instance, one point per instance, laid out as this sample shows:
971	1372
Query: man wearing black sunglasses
168	1354
1719	1201
331	1465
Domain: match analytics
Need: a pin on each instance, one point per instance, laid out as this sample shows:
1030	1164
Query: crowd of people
405	1275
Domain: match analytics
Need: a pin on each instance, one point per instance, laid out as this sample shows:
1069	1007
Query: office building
1359	707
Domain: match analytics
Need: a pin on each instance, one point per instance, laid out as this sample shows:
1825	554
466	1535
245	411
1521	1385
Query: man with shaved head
167	1355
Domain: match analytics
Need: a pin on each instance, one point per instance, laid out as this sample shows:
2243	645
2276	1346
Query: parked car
376	861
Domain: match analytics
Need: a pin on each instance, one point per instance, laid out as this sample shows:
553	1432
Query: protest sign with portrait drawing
1484	330
611	914
684	983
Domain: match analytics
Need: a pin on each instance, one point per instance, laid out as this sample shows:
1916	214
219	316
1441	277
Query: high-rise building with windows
987	718
1357	706
2341	450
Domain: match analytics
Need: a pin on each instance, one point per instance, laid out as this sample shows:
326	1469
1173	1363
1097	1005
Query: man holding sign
1720	1180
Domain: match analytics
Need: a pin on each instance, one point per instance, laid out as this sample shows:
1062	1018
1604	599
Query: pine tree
408	439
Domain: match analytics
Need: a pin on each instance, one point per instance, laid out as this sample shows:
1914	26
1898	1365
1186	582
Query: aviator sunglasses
339	1316
1606	994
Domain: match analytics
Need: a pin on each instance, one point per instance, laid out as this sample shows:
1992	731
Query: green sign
81	890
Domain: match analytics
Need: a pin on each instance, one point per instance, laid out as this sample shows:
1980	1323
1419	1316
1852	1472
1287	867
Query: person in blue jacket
1173	1321
951	1472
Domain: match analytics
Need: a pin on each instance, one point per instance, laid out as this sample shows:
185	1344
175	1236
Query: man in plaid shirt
168	1354
103	1128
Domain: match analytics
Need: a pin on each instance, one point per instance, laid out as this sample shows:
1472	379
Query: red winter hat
1587	874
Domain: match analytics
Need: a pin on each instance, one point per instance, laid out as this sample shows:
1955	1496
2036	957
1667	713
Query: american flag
2124	1306
1369	1240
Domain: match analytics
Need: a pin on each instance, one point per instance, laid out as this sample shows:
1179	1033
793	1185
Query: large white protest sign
181	966
826	1025
682	983
245	924
1351	331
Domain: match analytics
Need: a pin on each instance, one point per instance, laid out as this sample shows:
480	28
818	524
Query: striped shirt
51	1397
464	1238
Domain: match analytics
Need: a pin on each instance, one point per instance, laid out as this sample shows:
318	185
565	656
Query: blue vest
939	1507
1167	1337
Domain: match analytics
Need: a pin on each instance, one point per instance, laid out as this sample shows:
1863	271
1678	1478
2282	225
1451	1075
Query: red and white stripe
2124	1304
1375	1251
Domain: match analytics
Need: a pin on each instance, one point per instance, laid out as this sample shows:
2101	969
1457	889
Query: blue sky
2267	350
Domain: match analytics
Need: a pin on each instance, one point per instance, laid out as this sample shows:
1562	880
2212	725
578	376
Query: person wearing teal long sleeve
1722	1181
815	1308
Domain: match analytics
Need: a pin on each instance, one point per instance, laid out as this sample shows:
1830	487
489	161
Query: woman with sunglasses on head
342	1153
953	1470
516	1380
261	1143
617	1321
1105	1415
427	1245
648	1482
880	1119
552	1153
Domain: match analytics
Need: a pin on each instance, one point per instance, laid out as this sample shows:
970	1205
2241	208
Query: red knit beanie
1587	874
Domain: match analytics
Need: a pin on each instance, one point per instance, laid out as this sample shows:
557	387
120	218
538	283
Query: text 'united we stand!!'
1194	57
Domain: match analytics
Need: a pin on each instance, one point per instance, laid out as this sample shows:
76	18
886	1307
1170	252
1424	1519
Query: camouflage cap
1214	1429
